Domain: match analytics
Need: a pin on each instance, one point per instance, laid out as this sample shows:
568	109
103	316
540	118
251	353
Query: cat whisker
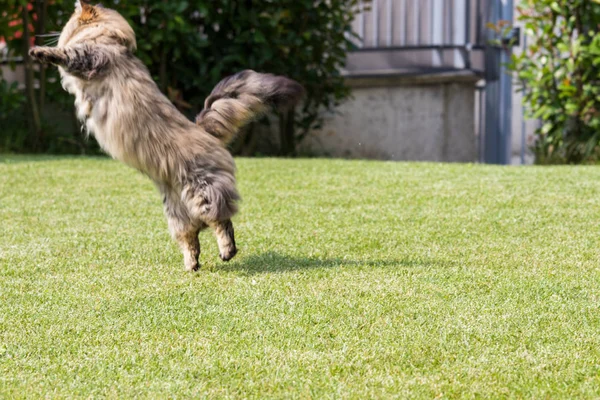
51	34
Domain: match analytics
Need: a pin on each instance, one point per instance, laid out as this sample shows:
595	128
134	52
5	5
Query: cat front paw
33	52
43	55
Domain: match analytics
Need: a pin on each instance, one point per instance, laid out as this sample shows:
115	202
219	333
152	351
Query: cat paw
35	53
228	254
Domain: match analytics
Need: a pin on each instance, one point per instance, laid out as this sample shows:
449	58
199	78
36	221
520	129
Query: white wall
418	118
522	129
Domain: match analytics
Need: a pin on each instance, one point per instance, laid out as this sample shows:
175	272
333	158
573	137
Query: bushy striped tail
241	98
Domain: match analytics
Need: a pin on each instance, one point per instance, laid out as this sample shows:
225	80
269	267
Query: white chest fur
83	104
93	111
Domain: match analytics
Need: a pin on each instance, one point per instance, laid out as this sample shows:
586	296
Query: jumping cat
119	103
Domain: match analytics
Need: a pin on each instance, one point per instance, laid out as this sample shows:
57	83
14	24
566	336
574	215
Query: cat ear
88	12
82	5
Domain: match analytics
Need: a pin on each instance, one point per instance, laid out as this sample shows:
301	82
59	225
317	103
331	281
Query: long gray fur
245	96
119	103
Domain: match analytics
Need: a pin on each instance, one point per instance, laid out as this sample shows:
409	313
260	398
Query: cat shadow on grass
272	262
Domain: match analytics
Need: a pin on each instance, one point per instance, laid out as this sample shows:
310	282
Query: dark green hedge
189	46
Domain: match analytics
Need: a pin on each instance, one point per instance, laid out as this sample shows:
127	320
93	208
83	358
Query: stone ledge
408	77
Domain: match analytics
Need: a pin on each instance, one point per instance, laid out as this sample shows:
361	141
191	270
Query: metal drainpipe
498	125
506	89
523	122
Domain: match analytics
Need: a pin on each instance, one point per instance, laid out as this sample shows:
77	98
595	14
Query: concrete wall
523	133
420	118
18	75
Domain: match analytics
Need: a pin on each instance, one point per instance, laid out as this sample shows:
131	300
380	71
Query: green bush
43	119
190	45
560	76
12	120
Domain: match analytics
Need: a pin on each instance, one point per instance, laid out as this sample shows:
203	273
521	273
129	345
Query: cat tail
241	98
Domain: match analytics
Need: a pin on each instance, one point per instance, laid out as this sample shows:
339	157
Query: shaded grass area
355	279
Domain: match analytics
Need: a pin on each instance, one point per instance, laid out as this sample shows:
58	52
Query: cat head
99	25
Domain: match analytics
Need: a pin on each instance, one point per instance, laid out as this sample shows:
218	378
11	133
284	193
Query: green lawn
354	280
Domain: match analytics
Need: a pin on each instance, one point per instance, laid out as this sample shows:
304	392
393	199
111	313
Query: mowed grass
354	279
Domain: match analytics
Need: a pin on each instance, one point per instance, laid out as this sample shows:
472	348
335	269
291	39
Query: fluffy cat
119	103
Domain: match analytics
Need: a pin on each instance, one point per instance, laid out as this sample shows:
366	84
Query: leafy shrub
11	99
12	121
560	77
43	121
190	45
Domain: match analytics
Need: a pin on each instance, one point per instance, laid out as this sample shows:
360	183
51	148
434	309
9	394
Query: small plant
559	74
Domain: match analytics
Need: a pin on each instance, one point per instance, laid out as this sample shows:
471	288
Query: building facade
428	85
